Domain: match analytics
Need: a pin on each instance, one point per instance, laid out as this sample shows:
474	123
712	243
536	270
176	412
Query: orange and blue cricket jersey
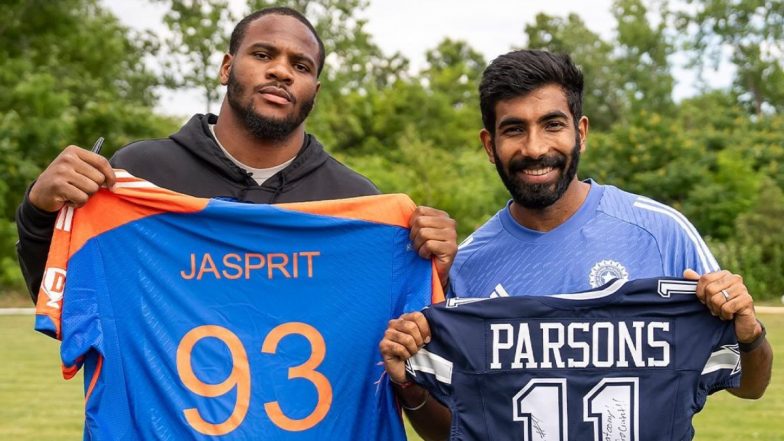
210	319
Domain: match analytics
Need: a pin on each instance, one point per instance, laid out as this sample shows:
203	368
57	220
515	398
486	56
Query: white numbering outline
612	406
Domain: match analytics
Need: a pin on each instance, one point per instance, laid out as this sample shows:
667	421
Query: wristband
748	347
419	406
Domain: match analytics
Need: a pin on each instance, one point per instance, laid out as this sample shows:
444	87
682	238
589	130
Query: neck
549	218
251	150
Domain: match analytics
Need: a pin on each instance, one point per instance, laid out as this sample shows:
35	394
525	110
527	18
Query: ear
582	126
225	69
488	144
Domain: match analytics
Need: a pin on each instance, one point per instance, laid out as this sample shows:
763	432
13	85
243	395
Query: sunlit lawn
37	404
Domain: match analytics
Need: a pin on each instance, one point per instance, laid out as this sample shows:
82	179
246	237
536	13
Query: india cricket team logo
605	271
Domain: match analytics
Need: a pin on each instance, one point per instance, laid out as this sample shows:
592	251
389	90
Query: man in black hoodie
255	150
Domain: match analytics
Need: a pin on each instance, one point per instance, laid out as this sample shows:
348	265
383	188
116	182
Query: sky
412	27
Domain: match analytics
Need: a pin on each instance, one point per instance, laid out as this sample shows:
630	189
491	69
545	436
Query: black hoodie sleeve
35	228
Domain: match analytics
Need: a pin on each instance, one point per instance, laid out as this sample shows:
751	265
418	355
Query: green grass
37	404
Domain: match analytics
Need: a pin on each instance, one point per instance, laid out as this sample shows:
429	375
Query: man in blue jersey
560	234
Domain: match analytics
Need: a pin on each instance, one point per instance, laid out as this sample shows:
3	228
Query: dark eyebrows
260	45
555	114
510	121
299	57
302	58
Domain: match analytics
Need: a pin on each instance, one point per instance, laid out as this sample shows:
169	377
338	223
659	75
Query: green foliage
461	181
728	190
642	62
757	248
198	35
752	31
10	277
651	155
70	73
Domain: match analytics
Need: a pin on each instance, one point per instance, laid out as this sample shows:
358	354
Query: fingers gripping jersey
631	361
197	319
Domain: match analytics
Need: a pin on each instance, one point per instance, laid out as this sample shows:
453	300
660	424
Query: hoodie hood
196	137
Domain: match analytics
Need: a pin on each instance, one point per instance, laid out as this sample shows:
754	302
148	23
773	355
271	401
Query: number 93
240	378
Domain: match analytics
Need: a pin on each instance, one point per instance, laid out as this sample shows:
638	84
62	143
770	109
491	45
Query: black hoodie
192	163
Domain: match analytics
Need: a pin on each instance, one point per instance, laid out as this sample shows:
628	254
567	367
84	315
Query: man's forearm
428	416
35	228
755	372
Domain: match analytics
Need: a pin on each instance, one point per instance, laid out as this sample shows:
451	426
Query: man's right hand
402	339
73	176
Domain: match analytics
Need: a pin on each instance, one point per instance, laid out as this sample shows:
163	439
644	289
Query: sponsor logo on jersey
499	291
605	271
53	285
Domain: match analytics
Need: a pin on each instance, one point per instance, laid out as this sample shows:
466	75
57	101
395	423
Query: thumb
690	274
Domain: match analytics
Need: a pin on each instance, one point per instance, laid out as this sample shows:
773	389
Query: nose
535	145
280	71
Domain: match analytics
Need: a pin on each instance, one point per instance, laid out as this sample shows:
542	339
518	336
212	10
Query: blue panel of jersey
134	292
614	234
632	361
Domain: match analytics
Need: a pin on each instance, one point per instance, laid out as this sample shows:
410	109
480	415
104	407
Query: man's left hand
434	235
727	297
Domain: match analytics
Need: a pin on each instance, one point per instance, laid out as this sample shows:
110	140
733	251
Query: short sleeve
722	369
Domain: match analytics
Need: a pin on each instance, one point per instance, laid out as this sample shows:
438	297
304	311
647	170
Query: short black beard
538	196
260	126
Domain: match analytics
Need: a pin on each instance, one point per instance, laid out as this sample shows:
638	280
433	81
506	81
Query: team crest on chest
606	270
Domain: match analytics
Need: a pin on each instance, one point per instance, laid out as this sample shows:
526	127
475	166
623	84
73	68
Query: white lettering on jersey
600	344
64	219
53	285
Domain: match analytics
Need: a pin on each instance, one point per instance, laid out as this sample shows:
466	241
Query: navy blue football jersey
633	360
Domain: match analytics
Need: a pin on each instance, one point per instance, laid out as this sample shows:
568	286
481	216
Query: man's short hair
518	73
239	31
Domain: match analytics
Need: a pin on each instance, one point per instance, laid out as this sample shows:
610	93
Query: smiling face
272	78
536	148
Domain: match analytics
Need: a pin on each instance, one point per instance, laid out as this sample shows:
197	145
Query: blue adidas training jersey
231	321
614	234
631	361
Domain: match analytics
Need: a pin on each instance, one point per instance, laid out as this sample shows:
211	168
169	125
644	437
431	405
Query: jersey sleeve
722	370
433	366
67	308
433	372
48	308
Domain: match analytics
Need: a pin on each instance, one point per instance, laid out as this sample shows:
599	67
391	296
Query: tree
752	31
642	56
757	248
70	73
199	36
